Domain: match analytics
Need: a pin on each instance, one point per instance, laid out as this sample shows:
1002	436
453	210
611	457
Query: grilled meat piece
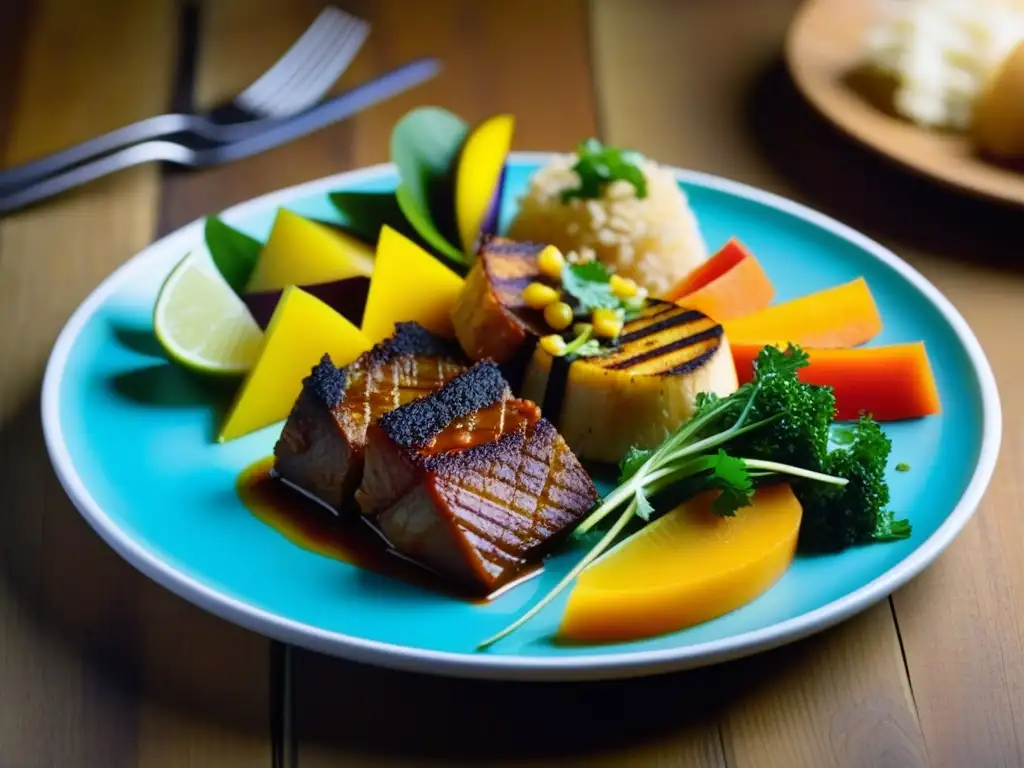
641	390
490	318
471	483
321	446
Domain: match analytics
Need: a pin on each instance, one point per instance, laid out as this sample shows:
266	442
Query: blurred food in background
956	65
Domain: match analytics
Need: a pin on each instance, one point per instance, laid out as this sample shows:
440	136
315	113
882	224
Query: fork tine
318	77
317	33
317	47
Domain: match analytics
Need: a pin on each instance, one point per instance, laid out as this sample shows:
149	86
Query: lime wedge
202	323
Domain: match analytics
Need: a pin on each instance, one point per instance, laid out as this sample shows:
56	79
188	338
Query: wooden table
99	667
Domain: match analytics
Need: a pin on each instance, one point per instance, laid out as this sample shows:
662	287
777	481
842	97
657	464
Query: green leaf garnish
598	166
631	462
903	467
775	426
234	253
424	146
588	284
730	476
365	213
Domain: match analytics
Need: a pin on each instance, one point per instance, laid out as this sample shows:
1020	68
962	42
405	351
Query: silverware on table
296	81
273	133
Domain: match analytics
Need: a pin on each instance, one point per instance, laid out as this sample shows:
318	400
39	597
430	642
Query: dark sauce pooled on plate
346	537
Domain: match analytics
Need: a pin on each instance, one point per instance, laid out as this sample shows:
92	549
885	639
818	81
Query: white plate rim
509	667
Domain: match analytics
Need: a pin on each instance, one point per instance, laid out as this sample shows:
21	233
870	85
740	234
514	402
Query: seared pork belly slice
490	318
472	484
321	446
642	390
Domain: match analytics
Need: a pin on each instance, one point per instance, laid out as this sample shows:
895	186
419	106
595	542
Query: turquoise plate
130	437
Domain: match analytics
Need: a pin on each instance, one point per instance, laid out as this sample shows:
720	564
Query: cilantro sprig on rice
598	166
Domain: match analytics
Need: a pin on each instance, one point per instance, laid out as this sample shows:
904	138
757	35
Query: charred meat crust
326	382
414	424
411	338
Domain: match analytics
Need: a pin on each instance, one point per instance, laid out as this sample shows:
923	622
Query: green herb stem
789	469
579	341
577	569
610	502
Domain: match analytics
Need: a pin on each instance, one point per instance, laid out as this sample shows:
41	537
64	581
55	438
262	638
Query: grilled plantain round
643	389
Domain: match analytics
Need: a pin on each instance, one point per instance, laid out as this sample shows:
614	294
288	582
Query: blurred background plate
823	51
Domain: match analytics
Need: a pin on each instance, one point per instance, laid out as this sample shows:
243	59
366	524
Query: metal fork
297	80
274	133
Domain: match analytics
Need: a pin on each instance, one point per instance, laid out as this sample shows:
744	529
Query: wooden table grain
99	667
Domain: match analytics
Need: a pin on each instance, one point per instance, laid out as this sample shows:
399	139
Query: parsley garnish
903	467
598	165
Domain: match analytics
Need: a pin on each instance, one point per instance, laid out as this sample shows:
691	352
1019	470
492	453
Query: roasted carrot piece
842	316
891	382
730	284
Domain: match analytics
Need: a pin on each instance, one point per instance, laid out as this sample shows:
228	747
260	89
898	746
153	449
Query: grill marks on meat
322	444
475	491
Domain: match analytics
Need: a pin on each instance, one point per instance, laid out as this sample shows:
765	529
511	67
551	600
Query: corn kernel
622	287
607	323
538	295
558	315
554	345
550	262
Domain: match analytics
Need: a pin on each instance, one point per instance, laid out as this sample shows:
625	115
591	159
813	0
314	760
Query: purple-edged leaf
346	297
491	219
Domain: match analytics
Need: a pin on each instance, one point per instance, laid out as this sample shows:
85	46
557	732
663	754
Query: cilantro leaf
598	165
730	476
631	462
588	283
644	508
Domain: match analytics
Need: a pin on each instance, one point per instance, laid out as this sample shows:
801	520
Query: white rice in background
655	240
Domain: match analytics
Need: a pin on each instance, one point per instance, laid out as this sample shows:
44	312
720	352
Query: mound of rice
655	240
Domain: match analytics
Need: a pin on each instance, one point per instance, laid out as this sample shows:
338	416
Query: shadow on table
76	599
869	192
347	709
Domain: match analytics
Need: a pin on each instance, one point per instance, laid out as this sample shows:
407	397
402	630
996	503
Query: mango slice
301	330
304	252
478	177
685	568
408	284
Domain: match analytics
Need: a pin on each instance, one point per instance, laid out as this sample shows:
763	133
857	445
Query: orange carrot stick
730	284
842	316
890	382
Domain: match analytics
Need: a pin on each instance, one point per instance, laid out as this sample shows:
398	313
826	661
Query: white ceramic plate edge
493	665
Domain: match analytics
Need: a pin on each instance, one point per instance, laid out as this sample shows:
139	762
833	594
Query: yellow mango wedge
304	252
408	284
686	567
301	330
478	174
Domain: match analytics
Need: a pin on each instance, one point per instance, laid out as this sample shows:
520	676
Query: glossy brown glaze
484	426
